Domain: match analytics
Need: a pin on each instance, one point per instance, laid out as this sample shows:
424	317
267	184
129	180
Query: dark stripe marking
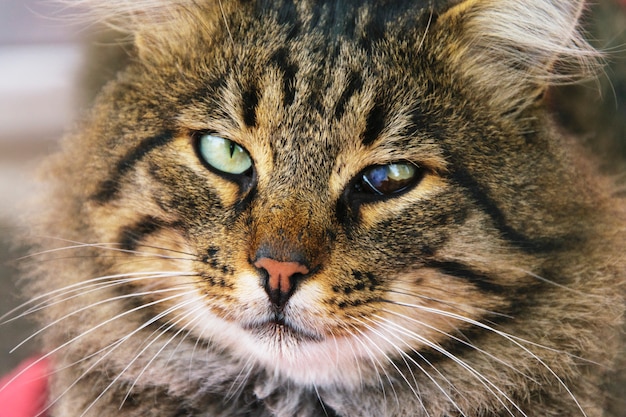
375	125
108	189
280	58
480	280
355	84
490	207
250	100
131	235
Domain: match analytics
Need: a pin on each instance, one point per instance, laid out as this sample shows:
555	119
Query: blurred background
41	62
40	57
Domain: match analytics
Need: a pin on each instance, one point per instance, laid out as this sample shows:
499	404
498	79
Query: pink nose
280	283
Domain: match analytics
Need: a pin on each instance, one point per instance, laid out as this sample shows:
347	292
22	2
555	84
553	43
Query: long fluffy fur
527	45
432	302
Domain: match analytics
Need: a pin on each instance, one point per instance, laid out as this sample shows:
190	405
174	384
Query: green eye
224	155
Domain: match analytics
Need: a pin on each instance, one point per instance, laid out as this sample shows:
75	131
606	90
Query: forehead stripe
109	188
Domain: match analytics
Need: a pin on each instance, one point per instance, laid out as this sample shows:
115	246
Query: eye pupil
385	180
223	155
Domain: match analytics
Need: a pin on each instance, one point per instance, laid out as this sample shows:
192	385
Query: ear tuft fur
123	15
525	45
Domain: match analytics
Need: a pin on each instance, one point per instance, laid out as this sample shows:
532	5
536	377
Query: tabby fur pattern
492	285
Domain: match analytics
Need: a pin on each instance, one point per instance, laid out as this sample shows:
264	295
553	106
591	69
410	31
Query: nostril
281	278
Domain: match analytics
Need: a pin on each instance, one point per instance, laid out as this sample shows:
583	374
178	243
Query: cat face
327	209
335	201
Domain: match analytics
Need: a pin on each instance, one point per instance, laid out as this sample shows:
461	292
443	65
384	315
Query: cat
330	208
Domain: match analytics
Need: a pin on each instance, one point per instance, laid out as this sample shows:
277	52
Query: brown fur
493	287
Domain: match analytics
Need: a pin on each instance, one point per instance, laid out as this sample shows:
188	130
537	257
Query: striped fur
491	285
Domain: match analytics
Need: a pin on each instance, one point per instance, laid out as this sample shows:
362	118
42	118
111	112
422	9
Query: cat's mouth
280	328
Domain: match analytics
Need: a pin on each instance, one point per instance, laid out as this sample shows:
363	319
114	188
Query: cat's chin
289	351
299	355
305	359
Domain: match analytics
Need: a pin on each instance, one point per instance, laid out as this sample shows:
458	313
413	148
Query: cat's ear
155	26
514	49
123	15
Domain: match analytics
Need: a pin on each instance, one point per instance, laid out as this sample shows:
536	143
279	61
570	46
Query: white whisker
517	341
239	382
111	246
373	359
556	284
385	355
170	325
92	329
52	298
482	379
403	355
113	346
458	306
90	306
457	339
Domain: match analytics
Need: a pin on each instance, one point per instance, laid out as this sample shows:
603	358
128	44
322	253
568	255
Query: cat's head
322	187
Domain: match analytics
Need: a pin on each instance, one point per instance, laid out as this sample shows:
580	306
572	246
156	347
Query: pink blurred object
23	392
